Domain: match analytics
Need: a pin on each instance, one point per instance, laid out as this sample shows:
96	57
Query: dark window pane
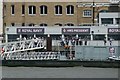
117	20
114	36
12	37
34	10
12	7
56	9
60	9
99	37
30	9
23	9
45	9
31	24
23	24
72	10
43	24
41	9
107	20
68	10
12	24
58	24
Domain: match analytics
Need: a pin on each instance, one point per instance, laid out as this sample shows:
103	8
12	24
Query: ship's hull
59	63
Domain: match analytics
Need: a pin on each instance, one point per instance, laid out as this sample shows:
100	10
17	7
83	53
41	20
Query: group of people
109	39
74	41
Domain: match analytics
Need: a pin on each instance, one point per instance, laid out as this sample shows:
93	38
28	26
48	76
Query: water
64	72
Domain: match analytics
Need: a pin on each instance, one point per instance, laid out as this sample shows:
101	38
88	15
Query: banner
113	30
76	30
30	30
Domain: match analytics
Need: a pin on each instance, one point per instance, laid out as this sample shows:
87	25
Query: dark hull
60	63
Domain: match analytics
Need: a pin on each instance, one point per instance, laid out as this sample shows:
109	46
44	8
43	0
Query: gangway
22	45
32	56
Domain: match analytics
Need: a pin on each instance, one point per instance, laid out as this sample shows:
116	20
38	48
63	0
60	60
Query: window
43	24
12	9
114	36
98	37
4	11
43	9
117	20
103	11
58	10
12	24
31	24
5	7
87	13
4	24
55	37
12	37
58	24
69	24
32	10
70	9
23	9
107	20
23	24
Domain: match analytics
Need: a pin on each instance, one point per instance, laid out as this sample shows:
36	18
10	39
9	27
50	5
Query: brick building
60	13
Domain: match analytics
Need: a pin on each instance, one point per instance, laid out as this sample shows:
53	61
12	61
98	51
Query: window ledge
58	14
87	16
43	14
12	14
31	14
70	14
23	15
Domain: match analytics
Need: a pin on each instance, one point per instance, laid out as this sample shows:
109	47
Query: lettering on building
30	30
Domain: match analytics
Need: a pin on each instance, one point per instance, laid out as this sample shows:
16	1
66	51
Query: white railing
31	56
90	43
23	45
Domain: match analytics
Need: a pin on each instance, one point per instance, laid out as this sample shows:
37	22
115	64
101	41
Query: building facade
61	13
49	15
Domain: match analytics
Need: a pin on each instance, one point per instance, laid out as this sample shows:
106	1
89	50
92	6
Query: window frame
31	24
117	20
86	13
43	25
69	24
12	10
12	24
70	10
58	7
32	10
23	10
44	9
107	22
58	24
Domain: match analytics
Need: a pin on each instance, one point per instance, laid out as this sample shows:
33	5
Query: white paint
1	19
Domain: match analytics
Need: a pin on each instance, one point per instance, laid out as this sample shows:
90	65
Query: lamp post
93	12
